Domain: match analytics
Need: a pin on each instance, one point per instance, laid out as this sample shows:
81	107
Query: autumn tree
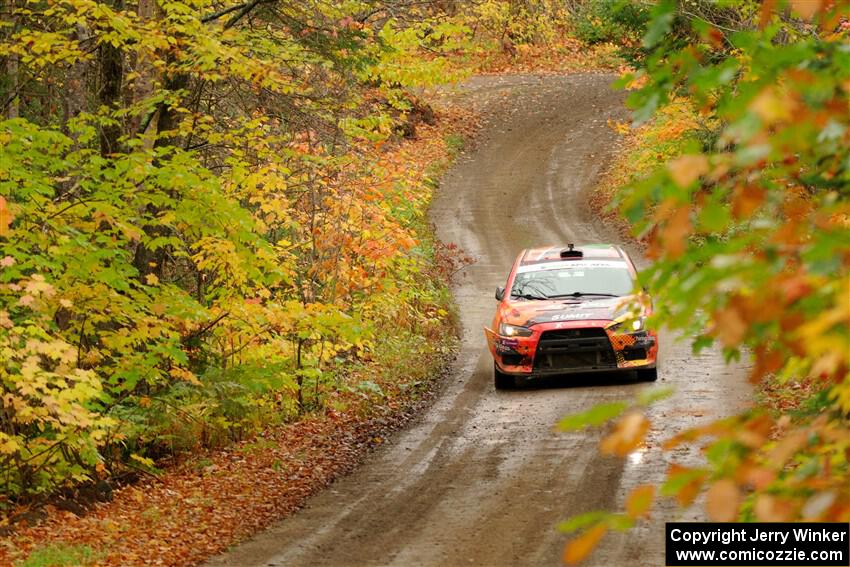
192	227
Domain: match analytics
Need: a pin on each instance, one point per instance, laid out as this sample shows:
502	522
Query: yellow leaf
183	374
579	548
8	445
686	169
639	501
5	217
151	279
772	105
722	501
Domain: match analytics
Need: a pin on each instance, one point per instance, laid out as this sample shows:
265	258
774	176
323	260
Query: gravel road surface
483	478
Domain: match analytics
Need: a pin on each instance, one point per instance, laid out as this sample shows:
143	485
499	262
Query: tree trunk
109	95
13	109
75	100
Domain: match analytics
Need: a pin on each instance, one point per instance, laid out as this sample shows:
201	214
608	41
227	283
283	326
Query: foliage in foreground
749	229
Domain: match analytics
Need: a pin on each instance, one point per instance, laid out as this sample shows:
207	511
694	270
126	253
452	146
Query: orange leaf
729	326
5	217
767	7
676	230
772	509
722	501
579	548
757	477
627	435
639	501
686	169
806	9
786	448
767	361
687	491
746	199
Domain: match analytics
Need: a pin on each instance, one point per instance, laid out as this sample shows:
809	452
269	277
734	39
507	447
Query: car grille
574	350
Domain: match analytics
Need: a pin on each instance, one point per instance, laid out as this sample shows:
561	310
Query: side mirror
500	293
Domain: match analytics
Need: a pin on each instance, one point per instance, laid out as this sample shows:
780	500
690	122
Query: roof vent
570	252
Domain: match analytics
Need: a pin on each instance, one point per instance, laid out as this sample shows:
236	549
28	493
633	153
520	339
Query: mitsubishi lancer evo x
566	310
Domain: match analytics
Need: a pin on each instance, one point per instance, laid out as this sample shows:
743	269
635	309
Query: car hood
532	312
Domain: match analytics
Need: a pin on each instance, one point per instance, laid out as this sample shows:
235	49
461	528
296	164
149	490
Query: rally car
571	310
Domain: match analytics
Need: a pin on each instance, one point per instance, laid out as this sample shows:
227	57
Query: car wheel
501	380
647	374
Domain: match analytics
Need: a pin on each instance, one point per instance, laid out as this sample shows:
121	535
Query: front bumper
570	347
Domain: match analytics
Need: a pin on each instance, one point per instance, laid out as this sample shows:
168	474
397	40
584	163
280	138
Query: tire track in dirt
482	478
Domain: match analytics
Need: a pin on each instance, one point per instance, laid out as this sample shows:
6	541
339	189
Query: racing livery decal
568	310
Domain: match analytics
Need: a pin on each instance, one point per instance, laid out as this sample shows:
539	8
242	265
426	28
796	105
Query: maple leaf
5	218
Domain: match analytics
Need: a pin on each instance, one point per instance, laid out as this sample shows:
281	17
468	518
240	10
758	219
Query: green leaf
649	396
582	521
662	19
597	415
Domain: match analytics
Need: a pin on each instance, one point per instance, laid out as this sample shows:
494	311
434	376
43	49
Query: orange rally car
569	310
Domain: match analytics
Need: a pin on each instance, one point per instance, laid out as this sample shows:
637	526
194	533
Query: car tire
501	380
648	374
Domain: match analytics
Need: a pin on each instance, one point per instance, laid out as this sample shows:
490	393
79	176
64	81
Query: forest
213	224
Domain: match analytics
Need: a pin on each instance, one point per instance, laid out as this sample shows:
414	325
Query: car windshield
573	279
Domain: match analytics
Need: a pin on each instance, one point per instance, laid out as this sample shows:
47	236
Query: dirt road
482	478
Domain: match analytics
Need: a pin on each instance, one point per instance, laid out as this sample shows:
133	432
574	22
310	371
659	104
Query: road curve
482	478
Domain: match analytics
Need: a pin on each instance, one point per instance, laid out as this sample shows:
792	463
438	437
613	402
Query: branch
222	13
206	327
246	9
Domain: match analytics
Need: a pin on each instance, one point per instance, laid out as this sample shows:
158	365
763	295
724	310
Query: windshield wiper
529	296
582	294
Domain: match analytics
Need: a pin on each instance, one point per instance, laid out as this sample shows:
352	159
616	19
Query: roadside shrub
622	22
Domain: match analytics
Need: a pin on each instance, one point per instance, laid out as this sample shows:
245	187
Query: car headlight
507	330
622	326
